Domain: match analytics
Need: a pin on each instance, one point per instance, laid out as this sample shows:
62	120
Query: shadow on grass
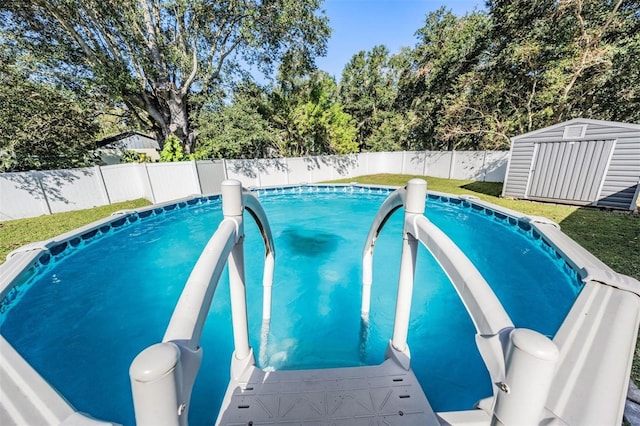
493	189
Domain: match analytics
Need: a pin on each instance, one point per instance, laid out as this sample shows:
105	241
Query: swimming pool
315	321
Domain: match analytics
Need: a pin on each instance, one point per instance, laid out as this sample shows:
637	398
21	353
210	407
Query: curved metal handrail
393	202
254	207
491	321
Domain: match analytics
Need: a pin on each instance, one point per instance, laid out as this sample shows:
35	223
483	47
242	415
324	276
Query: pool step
381	394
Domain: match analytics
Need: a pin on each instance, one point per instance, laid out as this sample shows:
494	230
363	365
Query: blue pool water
82	318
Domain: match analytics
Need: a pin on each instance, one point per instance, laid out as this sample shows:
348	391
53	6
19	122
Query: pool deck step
381	394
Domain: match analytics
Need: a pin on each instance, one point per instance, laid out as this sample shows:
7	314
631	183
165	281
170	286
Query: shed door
569	170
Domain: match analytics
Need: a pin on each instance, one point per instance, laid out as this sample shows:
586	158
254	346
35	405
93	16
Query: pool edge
573	326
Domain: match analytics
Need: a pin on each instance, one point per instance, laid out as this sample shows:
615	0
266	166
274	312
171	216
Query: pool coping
32	392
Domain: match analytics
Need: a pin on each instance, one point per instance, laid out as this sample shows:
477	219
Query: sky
362	24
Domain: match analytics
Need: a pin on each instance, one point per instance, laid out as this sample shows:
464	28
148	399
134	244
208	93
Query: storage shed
111	149
581	162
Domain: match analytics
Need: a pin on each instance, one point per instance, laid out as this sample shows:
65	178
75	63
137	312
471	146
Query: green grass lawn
16	233
612	236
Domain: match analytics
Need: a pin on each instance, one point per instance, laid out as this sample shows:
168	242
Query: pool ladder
521	363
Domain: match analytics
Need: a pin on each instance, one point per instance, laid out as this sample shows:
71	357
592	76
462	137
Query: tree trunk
179	119
169	115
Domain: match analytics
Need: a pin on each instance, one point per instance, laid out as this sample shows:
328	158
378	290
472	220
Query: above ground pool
93	303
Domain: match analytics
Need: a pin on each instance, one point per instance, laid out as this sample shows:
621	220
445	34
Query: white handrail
193	305
490	320
521	362
257	212
254	207
393	202
486	311
489	317
162	376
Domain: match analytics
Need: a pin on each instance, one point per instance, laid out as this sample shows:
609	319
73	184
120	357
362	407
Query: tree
154	56
394	133
616	96
298	115
368	91
42	127
531	52
114	118
309	118
548	61
602	78
239	129
449	47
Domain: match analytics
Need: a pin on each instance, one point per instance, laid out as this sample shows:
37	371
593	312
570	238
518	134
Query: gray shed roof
129	140
575	121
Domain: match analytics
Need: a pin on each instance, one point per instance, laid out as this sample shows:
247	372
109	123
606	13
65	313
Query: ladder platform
370	395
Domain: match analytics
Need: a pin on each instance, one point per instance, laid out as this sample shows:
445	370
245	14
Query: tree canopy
546	62
183	68
295	116
41	127
239	129
156	56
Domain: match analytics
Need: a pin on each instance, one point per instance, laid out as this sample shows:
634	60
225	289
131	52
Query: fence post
404	164
102	184
452	163
258	172
286	169
224	167
196	176
484	167
352	165
367	154
424	163
38	176
149	183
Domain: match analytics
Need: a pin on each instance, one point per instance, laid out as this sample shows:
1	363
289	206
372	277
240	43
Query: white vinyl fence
29	194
